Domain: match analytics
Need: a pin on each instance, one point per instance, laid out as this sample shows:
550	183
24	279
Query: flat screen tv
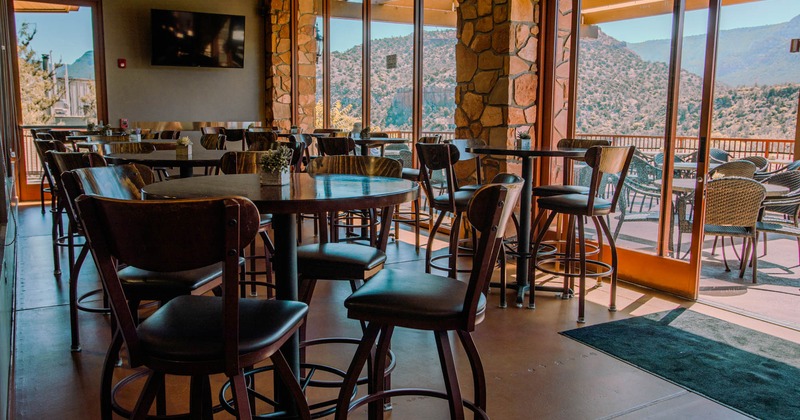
195	39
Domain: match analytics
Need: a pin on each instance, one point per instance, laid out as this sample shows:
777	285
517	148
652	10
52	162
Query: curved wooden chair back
212	130
430	139
488	212
169	134
740	168
581	144
152	235
128	147
44	135
335	146
66	161
379	135
213	141
356	165
248	162
259	140
124	182
44	146
607	161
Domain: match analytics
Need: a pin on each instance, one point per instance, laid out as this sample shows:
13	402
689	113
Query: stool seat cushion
577	204
266	219
551	190
155	285
189	328
462	198
410	174
339	261
411	299
470	187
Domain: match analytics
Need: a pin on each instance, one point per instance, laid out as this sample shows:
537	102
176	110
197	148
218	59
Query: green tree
36	84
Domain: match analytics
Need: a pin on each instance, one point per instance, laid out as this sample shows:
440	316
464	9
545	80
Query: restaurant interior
582	220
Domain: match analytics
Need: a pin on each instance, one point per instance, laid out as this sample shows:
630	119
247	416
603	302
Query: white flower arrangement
184	141
276	160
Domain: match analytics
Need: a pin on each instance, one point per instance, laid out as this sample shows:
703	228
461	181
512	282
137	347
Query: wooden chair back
488	212
66	161
124	182
438	157
260	140
152	235
356	165
334	146
611	160
169	134
44	146
213	141
248	162
128	147
212	130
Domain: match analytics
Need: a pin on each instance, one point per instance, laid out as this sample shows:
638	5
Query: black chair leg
582	268
155	381
612	306
478	375
353	372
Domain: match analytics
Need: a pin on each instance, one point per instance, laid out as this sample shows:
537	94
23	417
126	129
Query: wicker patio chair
740	168
732	208
782	214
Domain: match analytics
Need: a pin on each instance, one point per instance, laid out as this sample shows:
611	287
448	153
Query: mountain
82	68
621	93
392	88
746	56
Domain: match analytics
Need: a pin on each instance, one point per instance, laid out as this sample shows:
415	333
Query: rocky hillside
619	92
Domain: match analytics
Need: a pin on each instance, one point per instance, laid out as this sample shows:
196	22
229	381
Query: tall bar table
526	153
305	194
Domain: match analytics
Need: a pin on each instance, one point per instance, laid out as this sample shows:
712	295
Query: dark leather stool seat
551	190
461	198
339	261
180	330
420	301
411	174
577	204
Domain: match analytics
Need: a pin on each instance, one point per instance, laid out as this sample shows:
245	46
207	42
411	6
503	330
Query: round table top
525	150
686	185
378	141
305	194
199	157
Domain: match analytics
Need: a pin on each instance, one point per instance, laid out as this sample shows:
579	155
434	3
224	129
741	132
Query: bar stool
441	157
56	207
603	161
400	298
413	174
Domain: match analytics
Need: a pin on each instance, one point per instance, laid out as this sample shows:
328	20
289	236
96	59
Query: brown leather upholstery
551	190
575	204
166	285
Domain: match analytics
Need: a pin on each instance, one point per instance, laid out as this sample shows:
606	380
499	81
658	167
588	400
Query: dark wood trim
416	114
547	48
706	110
293	10
673	95
574	57
366	54
326	64
101	88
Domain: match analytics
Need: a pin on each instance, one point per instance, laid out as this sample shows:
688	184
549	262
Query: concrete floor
531	370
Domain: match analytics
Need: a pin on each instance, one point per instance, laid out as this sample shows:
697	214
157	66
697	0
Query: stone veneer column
496	71
279	61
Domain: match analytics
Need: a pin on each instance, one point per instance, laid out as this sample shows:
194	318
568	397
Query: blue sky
737	16
347	33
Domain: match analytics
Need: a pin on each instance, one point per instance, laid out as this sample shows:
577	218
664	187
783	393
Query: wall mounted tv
194	39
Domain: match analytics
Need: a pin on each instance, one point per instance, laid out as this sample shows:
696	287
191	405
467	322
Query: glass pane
438	80
392	72
346	69
309	54
622	97
56	67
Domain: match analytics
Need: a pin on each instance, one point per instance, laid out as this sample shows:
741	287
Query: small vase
183	152
275	178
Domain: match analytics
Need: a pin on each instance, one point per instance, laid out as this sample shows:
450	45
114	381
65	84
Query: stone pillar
279	62
496	73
